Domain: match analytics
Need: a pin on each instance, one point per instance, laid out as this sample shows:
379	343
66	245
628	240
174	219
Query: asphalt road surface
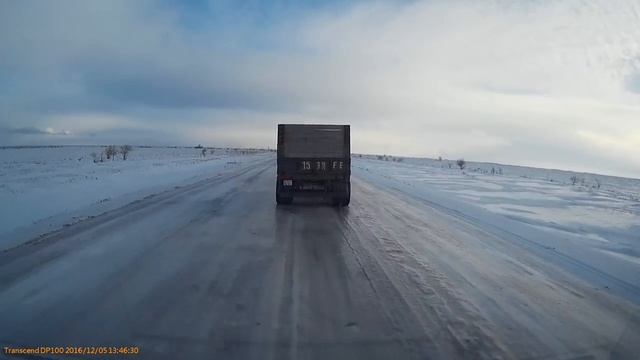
216	270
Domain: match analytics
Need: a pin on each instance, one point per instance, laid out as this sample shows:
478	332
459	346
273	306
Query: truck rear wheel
344	198
347	198
280	199
283	200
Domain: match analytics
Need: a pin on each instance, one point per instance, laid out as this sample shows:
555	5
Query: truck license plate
287	182
321	165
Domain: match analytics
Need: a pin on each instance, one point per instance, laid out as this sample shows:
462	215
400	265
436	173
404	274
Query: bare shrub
97	157
461	163
125	150
575	179
110	152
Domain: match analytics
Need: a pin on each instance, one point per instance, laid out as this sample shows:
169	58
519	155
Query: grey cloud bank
543	83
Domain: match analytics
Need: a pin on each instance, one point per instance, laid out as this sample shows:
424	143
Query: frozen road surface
216	270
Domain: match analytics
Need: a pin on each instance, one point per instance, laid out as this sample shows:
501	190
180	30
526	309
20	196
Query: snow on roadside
46	187
598	226
539	197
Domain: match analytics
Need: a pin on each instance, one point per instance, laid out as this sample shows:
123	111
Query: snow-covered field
47	187
541	197
598	226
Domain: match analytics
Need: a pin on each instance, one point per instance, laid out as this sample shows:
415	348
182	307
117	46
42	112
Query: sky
551	84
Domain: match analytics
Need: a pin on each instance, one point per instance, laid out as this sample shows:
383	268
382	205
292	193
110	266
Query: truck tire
344	198
282	199
347	197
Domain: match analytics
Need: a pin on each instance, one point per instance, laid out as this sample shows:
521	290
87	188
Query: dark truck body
314	160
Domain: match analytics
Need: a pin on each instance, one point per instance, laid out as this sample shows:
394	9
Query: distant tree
575	179
597	183
461	163
110	152
125	150
439	158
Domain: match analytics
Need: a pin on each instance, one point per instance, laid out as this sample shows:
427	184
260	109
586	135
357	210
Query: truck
314	160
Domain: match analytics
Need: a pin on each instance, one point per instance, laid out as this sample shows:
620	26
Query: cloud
633	82
26	131
515	81
30	130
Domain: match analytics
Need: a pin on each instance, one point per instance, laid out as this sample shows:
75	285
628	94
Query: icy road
216	270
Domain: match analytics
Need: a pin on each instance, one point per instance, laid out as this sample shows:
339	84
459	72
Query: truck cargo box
314	160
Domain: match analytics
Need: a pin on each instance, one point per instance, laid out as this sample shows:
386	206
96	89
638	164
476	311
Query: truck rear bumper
339	191
311	187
